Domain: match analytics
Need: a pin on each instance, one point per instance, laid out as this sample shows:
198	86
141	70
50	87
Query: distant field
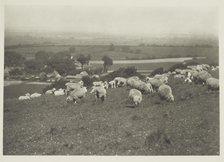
150	52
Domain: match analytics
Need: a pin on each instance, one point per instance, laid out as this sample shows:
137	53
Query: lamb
100	93
72	86
165	92
26	97
77	94
35	95
120	81
212	83
136	96
112	83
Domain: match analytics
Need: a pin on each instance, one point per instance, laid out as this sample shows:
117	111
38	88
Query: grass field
50	126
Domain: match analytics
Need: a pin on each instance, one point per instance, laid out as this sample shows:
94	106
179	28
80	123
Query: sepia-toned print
111	80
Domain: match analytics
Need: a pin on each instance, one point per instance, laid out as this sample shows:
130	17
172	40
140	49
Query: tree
62	65
107	62
88	58
82	59
33	66
13	59
42	56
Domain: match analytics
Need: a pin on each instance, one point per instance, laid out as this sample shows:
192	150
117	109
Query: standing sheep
100	93
77	94
136	96
165	92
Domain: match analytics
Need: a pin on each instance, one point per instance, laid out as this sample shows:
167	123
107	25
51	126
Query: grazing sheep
202	76
59	92
165	92
35	95
212	83
100	93
155	83
26	97
112	84
120	81
179	76
72	86
136	96
162	77
140	85
77	94
50	91
99	83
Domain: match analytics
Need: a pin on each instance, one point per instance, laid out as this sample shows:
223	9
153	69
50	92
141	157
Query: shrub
87	81
177	66
16	71
157	71
57	84
122	72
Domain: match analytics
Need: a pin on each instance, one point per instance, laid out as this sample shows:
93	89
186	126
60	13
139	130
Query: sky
110	19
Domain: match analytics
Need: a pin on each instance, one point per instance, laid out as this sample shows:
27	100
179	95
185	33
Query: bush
177	66
87	81
57	84
157	71
16	71
122	72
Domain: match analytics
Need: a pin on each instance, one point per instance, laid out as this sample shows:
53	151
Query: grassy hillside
49	125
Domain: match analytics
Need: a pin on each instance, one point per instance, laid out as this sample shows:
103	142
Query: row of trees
63	62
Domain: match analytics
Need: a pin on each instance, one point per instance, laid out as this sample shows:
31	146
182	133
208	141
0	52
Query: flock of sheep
159	83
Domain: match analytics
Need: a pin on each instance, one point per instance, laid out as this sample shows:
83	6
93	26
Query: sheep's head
137	100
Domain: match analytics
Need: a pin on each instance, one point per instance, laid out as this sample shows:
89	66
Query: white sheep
212	83
59	92
72	86
35	95
26	97
120	81
155	82
112	84
202	76
99	83
140	85
136	96
77	94
165	92
100	93
50	91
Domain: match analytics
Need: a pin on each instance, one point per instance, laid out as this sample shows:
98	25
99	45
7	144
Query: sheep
112	83
165	92
59	92
155	83
99	83
202	76
72	86
140	85
50	91
100	93
179	76
105	85
162	77
212	83
35	95
26	97
120	81
77	94
136	96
